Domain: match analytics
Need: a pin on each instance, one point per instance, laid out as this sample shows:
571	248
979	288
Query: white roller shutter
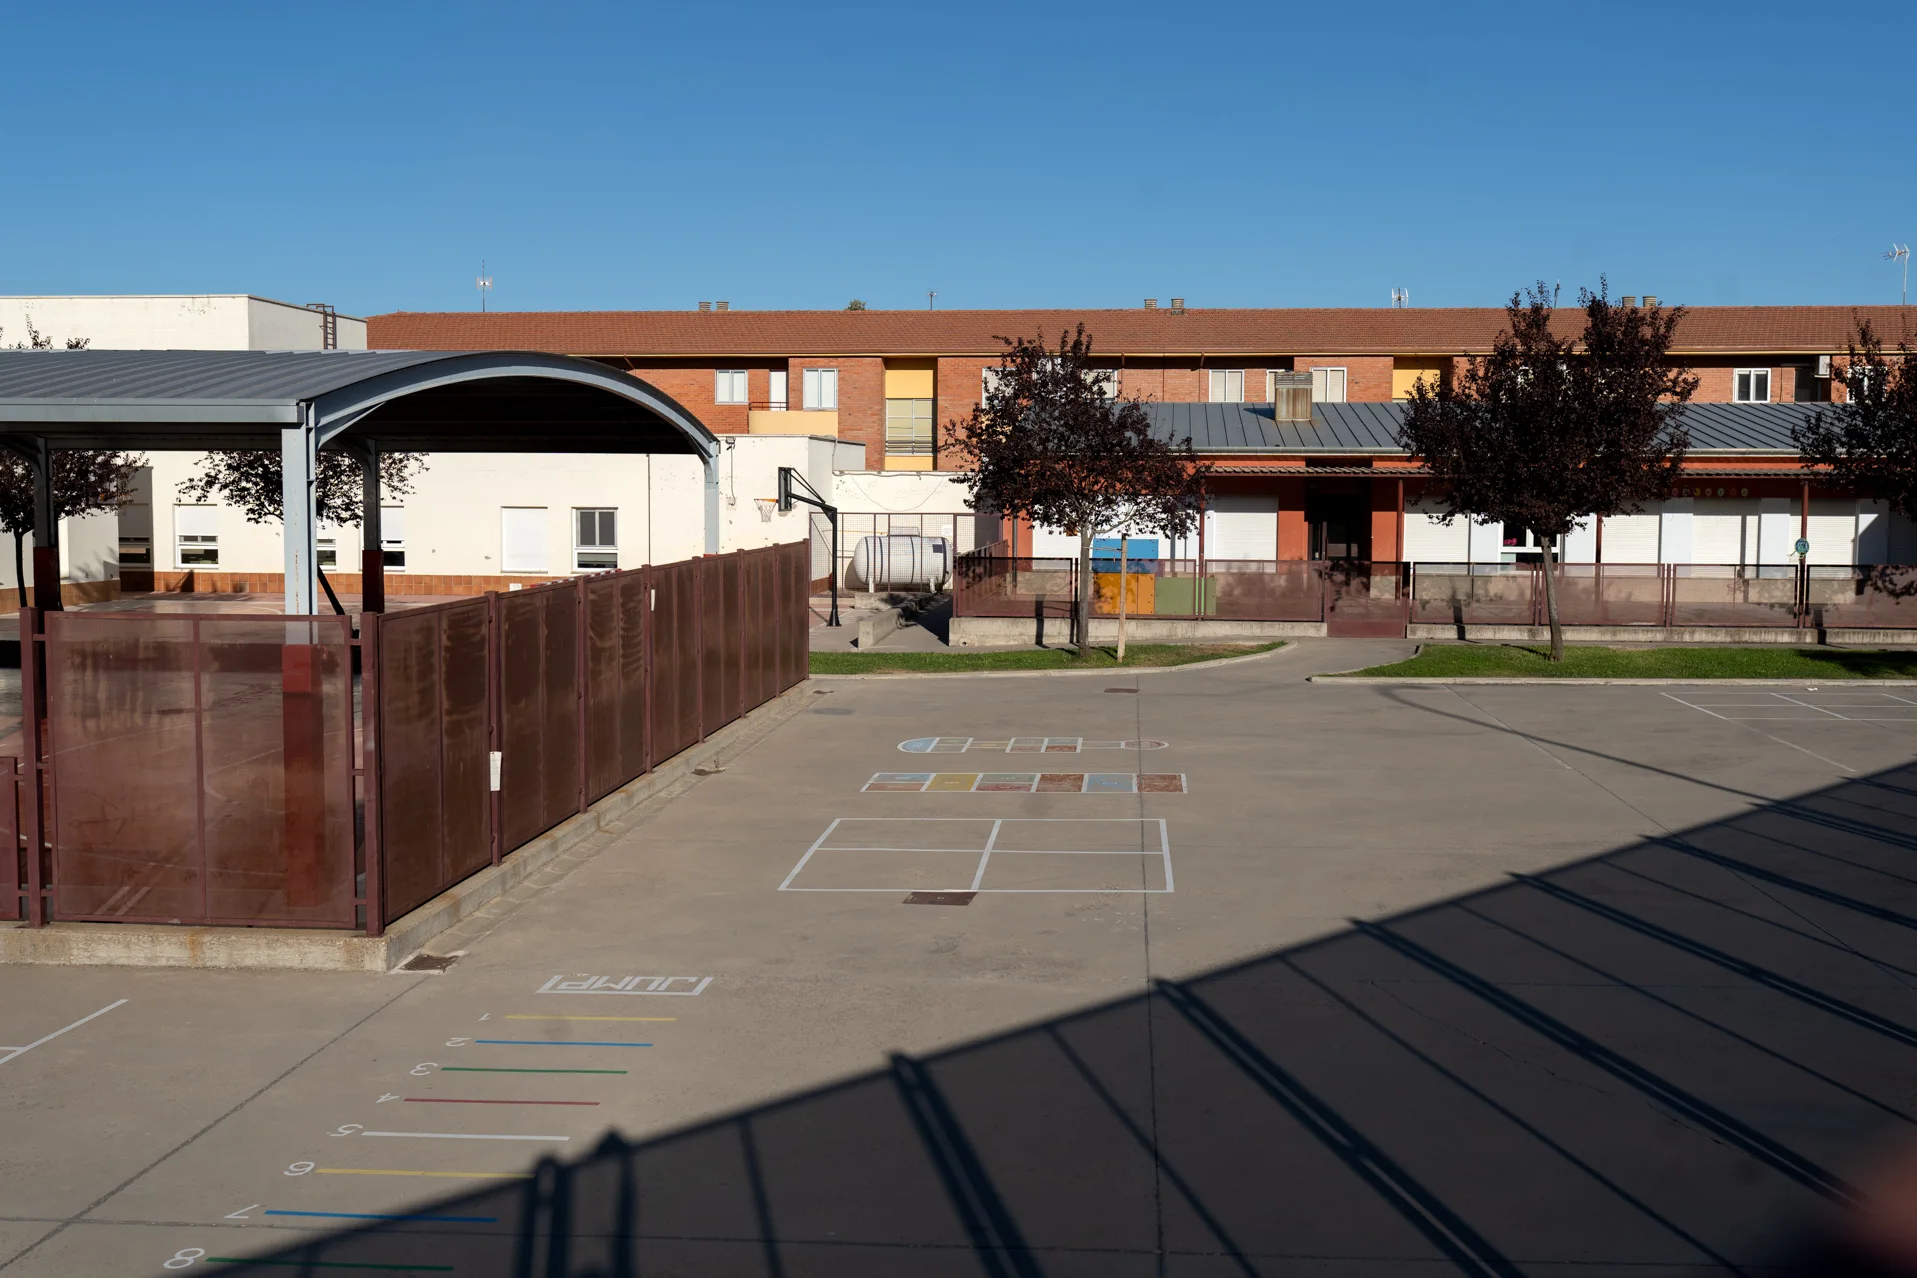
1630	539
522	539
1242	527
1428	541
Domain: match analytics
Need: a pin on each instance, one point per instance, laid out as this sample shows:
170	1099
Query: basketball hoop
767	507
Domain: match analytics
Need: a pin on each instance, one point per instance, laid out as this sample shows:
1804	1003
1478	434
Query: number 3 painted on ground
184	1257
425	1067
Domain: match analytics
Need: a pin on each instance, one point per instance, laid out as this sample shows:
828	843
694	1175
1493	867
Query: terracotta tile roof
1140	333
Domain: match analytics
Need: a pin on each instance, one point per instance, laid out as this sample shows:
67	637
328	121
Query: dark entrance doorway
1339	520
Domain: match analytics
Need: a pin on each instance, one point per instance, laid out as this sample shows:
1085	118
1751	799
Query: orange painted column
1384	520
1293	536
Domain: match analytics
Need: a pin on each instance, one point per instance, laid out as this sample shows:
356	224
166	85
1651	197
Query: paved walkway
1152	1042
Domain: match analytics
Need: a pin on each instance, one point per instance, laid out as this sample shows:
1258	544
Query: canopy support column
372	558
299	475
46	529
712	501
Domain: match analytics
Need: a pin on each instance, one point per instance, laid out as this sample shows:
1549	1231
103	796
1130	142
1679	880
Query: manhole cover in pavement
940	898
429	962
1133	691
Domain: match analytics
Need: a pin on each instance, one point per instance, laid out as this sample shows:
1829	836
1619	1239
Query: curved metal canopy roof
410	401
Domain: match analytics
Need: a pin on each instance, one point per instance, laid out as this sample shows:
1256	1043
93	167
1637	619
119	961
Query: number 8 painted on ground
184	1257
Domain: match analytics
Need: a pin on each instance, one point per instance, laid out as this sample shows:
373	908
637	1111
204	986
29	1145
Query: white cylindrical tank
900	562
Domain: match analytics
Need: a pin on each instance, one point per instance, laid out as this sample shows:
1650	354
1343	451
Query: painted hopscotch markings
378	1215
9	1053
628	985
1807	706
444	1175
1025	783
1022	745
982	855
555	1016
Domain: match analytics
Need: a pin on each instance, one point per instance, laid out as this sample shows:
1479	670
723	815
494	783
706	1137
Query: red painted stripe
445	1100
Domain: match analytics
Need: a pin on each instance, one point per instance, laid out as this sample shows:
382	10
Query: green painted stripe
495	1069
334	1264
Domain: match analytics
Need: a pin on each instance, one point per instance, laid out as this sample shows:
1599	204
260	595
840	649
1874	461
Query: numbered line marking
452	1100
550	1042
375	1215
628	985
501	1069
462	1136
446	1175
554	1016
1025	783
9	1053
1022	745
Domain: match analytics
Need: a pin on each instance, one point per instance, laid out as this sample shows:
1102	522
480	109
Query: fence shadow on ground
1678	1057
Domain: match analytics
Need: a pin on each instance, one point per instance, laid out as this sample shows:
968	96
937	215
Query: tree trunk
1083	604
1124	562
1549	544
20	569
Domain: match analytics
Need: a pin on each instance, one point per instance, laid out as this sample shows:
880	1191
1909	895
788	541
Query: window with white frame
1751	386
1327	385
196	531
392	536
595	545
820	386
1227	385
729	386
1106	379
775	390
327	547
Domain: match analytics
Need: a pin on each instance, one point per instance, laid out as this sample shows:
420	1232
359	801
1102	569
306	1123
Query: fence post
699	641
648	583
371	758
33	808
495	722
582	684
745	631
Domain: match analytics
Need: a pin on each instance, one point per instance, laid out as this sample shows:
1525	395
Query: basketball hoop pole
787	477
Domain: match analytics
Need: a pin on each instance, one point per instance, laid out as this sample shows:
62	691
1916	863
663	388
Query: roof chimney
1178	306
1151	303
722	306
1650	299
705	306
1627	301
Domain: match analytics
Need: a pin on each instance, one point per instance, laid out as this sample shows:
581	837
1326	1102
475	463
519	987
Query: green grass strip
335	1264
496	1069
1581	661
1137	656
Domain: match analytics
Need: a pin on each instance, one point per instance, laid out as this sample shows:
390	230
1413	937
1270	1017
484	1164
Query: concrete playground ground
1218	972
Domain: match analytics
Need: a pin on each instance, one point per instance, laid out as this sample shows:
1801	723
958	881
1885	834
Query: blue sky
634	155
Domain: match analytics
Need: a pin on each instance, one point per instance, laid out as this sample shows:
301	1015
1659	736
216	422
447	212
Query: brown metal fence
1728	595
213	769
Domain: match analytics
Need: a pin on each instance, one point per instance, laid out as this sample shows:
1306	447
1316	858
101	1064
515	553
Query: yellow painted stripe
384	1171
536	1017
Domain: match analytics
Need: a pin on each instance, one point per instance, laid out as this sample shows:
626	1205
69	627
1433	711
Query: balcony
771	417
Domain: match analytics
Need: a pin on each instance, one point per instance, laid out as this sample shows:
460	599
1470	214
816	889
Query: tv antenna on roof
1400	297
485	283
1901	253
930	293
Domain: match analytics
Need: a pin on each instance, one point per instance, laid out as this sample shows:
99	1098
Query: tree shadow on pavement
1677	1057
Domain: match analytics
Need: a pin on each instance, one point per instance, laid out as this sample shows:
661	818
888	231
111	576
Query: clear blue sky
640	155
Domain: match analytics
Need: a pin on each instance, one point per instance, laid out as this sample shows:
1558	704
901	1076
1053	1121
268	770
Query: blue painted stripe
551	1042
374	1215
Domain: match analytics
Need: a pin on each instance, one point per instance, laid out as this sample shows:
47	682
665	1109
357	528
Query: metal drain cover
829	710
429	962
940	898
1133	691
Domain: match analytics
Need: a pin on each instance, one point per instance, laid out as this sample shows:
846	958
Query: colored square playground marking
1013	855
1025	783
1022	745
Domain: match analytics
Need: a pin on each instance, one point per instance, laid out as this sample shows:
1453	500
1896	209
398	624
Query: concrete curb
877	626
326	950
1627	683
1053	674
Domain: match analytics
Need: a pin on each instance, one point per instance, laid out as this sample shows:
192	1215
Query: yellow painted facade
910	378
760	421
895	462
1406	370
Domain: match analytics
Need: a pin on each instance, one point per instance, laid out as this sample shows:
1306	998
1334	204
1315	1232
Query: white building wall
198	322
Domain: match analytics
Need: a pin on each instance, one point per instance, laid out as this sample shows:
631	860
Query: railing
1783	596
219	769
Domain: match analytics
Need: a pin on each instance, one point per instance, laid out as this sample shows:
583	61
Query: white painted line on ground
993	848
1760	732
808	853
1808	706
985	858
12	1052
